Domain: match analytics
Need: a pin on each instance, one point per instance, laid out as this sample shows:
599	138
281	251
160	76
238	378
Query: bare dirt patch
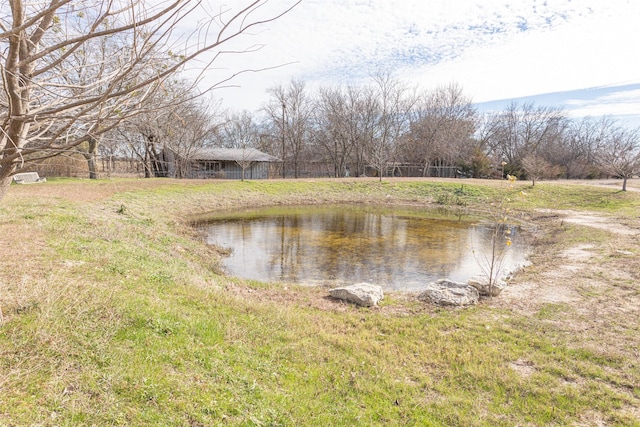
524	367
560	278
592	286
91	191
594	220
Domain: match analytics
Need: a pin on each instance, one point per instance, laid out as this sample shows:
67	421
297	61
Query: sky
580	55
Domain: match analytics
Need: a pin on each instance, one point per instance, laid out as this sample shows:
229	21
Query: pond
399	249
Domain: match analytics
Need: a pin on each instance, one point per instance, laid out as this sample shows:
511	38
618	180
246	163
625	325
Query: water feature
400	249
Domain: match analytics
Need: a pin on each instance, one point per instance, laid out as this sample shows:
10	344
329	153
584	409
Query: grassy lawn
114	312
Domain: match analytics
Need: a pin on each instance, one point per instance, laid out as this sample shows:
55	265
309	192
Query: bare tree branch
73	70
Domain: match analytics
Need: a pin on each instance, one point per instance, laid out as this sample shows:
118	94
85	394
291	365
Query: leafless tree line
388	128
379	128
385	128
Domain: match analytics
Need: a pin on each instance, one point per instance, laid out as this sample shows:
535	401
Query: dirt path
567	272
594	220
593	285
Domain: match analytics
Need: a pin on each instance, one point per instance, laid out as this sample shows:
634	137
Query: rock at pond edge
362	294
446	292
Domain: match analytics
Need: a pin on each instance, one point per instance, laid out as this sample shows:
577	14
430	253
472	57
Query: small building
222	163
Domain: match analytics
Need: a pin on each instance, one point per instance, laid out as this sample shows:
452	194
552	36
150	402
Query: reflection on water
345	245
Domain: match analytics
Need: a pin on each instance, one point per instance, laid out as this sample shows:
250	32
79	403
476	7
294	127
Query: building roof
232	154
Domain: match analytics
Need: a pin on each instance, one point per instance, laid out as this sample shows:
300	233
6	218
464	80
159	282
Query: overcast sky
582	55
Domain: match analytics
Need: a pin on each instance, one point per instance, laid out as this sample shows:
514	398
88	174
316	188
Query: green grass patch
579	197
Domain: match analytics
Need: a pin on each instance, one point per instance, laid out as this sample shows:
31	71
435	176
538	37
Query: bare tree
269	137
522	130
89	67
344	117
498	240
45	113
292	108
362	105
331	128
619	155
442	125
394	101
577	155
241	132
536	167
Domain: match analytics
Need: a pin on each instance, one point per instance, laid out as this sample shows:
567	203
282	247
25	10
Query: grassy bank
114	313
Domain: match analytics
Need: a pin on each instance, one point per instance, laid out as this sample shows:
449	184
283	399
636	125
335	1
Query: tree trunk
336	166
91	158
4	186
624	183
91	164
92	167
146	162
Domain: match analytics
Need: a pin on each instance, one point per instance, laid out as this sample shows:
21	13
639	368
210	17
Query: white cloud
623	104
495	49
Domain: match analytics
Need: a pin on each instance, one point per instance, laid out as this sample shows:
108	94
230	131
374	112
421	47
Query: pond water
337	245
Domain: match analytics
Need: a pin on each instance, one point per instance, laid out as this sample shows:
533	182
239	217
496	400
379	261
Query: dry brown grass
92	190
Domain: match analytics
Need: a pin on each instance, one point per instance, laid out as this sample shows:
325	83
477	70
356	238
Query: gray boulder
446	292
481	283
362	294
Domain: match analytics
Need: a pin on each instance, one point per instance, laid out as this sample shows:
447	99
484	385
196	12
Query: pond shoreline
399	249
